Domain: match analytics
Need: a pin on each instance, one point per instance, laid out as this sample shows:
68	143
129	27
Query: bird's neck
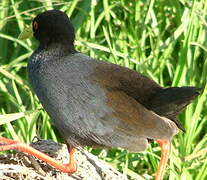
61	49
52	51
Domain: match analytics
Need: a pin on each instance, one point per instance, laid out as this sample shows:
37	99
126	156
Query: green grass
165	40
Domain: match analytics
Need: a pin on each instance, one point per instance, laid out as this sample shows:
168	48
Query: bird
96	103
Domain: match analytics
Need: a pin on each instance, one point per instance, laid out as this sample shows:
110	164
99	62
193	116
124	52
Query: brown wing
167	102
134	84
127	93
135	119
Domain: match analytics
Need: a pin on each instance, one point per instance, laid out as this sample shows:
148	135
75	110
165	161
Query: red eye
35	25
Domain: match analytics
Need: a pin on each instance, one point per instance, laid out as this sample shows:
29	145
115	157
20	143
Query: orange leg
9	144
165	154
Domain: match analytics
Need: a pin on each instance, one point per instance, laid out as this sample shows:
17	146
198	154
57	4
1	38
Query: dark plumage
96	103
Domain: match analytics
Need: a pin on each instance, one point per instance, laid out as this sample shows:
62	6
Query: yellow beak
26	33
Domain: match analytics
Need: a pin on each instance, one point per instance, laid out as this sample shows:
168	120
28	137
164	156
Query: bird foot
9	144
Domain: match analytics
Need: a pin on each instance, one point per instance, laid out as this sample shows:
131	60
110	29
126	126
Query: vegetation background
165	40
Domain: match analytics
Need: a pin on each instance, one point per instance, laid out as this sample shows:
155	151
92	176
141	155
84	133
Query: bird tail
169	102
